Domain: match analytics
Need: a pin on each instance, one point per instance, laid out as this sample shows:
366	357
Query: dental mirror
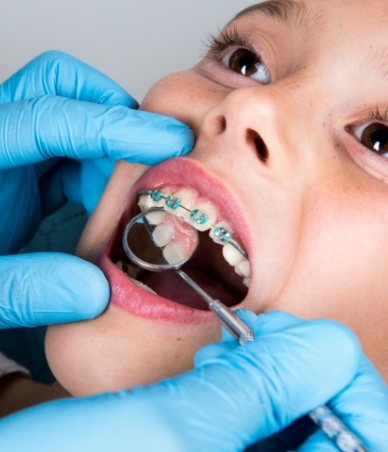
156	240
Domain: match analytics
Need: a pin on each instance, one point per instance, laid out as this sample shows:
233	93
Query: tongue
209	270
169	285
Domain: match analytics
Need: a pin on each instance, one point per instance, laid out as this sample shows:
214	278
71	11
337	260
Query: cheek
169	94
339	270
185	95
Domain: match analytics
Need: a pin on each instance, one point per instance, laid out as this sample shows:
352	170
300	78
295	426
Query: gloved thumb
362	407
47	288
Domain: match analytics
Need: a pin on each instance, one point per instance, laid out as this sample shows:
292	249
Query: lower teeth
142	286
129	270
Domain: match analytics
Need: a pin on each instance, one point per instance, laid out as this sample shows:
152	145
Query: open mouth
218	265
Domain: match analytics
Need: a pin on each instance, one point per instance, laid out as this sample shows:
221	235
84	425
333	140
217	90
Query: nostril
261	147
222	124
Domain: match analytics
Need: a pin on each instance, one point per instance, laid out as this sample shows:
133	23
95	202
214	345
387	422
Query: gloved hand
58	107
235	396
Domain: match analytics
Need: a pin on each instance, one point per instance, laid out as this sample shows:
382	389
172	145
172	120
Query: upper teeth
202	215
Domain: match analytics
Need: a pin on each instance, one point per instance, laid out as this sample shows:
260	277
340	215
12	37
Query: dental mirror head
156	240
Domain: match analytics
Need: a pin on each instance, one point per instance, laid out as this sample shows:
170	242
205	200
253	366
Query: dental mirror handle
226	316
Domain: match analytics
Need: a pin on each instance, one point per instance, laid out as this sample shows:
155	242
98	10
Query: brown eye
375	137
246	63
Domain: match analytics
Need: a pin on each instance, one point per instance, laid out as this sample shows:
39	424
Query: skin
316	210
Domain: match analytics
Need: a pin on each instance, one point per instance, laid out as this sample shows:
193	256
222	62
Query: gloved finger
46	288
60	74
267	322
259	324
85	130
228	342
364	410
266	384
319	442
79	182
362	407
286	366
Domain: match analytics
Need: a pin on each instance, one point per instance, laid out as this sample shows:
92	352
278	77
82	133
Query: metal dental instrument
142	250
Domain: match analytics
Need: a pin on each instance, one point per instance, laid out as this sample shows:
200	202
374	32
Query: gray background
134	42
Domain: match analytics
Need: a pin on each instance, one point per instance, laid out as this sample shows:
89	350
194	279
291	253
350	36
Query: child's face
289	111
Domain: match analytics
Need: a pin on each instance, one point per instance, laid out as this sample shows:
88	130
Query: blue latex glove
58	107
235	396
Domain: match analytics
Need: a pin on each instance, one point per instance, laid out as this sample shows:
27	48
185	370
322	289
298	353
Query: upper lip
184	172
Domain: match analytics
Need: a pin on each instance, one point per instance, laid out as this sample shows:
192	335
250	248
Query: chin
118	351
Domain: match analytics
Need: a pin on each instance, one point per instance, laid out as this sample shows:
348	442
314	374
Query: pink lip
135	300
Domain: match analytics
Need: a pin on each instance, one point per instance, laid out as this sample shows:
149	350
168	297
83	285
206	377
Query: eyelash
231	48
375	115
228	38
371	131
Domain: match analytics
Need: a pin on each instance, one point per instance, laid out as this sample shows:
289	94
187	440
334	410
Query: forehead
344	14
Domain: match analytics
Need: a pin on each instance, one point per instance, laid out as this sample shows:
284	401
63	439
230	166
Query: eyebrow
293	13
378	60
281	10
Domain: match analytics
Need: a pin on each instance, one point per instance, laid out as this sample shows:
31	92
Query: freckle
178	339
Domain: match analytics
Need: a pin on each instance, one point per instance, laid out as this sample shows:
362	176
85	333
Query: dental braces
196	215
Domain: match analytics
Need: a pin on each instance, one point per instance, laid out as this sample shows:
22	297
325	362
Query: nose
264	123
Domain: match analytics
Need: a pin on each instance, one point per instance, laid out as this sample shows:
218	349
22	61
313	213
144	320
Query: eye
373	136
246	63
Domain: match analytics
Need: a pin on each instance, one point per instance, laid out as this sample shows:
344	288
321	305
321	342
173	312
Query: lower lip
131	298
